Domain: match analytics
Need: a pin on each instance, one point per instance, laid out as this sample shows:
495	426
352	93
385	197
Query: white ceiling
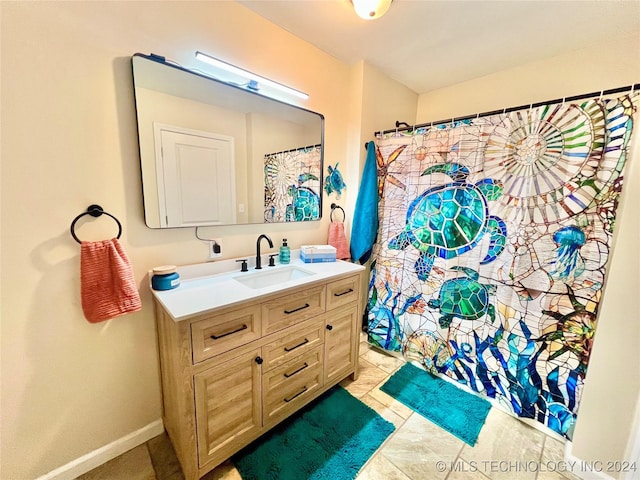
428	44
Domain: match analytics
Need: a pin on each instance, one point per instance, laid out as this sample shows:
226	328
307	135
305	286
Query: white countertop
200	291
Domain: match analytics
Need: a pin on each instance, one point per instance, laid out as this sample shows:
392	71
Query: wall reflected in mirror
212	153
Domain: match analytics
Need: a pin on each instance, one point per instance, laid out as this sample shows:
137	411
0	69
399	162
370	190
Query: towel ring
94	211
335	206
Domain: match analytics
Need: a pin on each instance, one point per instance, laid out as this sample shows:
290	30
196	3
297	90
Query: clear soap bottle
285	252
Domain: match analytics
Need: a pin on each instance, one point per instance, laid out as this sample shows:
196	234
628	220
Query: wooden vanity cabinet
230	375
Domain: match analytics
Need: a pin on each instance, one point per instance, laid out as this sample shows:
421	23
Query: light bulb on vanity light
256	81
371	9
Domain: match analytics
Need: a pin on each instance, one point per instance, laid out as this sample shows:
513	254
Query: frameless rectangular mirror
213	153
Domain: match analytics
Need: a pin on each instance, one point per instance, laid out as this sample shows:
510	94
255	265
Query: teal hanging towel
364	229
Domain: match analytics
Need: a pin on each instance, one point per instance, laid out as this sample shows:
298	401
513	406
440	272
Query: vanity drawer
222	332
343	291
297	341
291	309
289	385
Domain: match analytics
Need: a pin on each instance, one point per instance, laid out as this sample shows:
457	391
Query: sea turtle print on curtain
494	238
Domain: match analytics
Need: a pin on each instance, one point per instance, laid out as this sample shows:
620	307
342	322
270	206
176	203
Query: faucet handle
272	262
243	267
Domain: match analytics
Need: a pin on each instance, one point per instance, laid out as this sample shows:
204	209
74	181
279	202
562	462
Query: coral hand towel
107	285
338	239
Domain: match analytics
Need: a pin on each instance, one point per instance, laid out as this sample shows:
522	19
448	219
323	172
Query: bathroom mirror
213	153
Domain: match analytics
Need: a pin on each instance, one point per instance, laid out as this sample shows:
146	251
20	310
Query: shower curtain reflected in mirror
494	238
292	185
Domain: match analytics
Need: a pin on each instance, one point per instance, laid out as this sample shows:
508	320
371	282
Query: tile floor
417	450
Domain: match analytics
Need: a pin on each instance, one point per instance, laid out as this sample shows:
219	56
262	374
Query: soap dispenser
285	252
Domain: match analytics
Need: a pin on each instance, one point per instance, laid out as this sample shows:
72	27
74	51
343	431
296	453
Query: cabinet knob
259	360
329	327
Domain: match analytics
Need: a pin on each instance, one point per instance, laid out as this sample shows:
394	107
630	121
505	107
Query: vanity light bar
203	57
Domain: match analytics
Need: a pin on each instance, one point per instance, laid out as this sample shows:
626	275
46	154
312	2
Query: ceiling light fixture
371	9
255	81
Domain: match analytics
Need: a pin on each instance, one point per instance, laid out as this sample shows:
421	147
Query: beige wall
599	67
612	386
69	140
377	102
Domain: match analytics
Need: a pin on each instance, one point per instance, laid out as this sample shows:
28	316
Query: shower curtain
492	249
292	185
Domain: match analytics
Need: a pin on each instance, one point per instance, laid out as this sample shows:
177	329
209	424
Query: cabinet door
228	406
340	343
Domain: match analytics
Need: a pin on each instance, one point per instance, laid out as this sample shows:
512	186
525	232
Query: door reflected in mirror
213	153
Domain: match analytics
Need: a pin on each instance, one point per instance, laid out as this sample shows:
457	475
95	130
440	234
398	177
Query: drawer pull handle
343	293
216	337
304	389
289	349
287	375
288	312
329	327
259	360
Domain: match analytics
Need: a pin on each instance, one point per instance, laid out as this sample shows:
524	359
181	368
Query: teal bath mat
458	412
332	438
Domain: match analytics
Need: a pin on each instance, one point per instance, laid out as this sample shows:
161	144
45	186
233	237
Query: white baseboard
582	469
102	455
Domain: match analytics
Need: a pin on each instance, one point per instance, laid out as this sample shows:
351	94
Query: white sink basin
269	278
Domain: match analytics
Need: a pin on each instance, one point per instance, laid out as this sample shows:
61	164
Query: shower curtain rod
398	128
295	149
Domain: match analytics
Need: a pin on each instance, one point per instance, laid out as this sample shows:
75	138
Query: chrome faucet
258	258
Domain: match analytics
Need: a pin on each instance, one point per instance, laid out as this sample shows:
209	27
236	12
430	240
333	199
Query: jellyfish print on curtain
494	238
